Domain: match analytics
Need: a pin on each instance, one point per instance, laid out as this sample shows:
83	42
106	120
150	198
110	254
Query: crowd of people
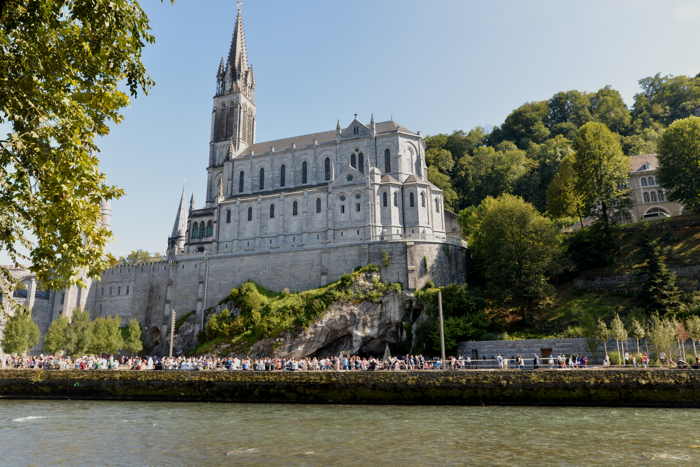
333	363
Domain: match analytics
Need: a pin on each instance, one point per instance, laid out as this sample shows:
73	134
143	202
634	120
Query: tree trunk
580	217
695	350
622	357
617	344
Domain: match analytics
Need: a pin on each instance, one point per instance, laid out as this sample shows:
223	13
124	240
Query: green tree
563	200
548	157
58	337
602	333
692	324
524	125
619	333
679	162
514	245
601	169
568	109
637	331
140	257
608	108
106	336
21	333
80	333
443	182
62	66
132	338
665	99
662	335
659	292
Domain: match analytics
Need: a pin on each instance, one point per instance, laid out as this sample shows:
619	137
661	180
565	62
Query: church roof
309	140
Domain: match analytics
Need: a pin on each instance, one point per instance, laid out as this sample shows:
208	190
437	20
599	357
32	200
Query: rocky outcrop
356	328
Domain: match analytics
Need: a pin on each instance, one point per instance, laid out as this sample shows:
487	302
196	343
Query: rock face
363	328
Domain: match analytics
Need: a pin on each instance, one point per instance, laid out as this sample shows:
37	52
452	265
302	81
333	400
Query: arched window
283	175
304	172
437	205
272	211
422	200
387	161
210	229
361	162
653	196
646	196
241	181
295	208
250	214
353	160
385	200
396	199
644	181
318	204
662	196
652	181
228	216
411	200
327	169
202	230
261	178
195	231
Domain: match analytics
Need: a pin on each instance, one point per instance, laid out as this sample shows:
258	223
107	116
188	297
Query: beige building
648	199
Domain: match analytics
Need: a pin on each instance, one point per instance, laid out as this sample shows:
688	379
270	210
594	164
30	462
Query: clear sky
434	65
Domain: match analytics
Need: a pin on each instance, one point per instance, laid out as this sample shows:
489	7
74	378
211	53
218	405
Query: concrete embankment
651	388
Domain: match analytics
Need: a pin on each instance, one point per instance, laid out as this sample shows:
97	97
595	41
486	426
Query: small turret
176	241
191	203
372	127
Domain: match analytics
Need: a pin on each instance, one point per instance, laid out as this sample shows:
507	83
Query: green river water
93	433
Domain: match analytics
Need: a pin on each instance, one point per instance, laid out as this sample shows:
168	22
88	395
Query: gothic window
387	161
357	207
228	216
119	290
411	200
361	162
327	168
295	208
283	175
342	209
353	160
318	204
304	172
261	178
662	197
385	201
250	214
396	199
241	181
646	196
653	196
272	211
210	229
437	205
195	231
644	181
356	131
127	290
202	230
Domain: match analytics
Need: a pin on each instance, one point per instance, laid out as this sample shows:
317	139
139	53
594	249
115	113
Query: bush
615	358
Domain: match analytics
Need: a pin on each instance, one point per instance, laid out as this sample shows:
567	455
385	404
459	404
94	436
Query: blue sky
435	66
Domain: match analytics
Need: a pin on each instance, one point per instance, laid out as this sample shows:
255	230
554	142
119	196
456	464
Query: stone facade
292	213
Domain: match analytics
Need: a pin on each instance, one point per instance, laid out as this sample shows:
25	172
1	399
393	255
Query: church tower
233	112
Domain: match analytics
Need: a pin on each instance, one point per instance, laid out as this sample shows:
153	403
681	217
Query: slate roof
643	162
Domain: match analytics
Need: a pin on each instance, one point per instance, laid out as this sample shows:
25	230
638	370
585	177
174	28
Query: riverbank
633	387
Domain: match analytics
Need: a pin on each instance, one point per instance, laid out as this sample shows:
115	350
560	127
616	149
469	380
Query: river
136	433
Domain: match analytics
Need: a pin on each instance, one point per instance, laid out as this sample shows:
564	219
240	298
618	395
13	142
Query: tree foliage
61	66
106	336
659	292
139	257
21	333
58	337
132	342
679	160
80	333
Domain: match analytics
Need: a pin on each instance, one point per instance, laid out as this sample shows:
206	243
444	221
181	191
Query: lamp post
442	329
172	332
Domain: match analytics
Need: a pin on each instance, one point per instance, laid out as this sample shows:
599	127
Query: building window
241	181
361	162
304	172
250	214
652	181
111	292
195	231
437	205
228	216
385	201
422	200
646	196
261	178
318	204
396	200
119	290
387	161
272	211
353	160
644	181
127	290
295	208
202	230
357	207
327	169
342	209
283	175
411	200
662	196
103	291
210	229
356	131
653	196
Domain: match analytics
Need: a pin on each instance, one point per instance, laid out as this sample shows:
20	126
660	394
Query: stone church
292	213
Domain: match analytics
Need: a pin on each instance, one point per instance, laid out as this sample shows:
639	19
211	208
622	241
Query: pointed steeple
191	203
180	225
237	61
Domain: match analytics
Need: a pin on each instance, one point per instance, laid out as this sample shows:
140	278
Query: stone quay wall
636	387
527	348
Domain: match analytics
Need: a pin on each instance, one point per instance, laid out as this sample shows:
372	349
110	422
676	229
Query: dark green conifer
659	292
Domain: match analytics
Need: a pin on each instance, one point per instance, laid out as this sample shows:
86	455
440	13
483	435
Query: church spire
238	55
176	242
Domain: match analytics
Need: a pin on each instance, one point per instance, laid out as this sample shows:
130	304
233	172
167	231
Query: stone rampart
648	388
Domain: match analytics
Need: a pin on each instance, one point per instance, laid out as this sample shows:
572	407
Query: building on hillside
292	213
648	199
